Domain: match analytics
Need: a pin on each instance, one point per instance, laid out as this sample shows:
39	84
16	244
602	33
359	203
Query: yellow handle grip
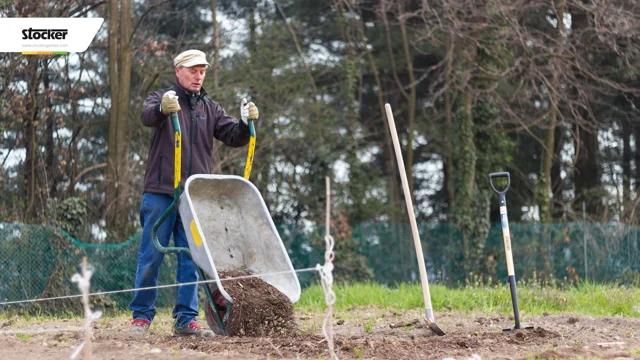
177	166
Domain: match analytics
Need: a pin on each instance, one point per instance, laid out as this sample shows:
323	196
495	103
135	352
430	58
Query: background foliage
547	90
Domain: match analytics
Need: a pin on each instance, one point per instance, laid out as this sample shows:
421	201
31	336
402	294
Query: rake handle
412	218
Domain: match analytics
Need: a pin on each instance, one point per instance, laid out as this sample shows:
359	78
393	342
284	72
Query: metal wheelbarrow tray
229	228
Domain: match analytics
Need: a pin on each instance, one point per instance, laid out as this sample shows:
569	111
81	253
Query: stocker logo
44	34
47	36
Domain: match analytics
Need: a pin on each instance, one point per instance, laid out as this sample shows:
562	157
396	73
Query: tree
120	59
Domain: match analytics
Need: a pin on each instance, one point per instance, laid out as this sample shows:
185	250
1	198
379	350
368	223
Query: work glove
169	103
248	111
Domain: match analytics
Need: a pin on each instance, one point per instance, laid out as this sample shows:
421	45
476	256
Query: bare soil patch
363	333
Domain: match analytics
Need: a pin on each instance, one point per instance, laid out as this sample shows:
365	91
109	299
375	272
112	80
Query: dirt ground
360	333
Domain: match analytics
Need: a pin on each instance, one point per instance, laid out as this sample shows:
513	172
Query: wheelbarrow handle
176	190
252	147
500	175
177	154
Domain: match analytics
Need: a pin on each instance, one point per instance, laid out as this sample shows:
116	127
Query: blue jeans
150	259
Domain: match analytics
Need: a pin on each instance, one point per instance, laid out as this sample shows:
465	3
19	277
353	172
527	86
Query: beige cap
191	58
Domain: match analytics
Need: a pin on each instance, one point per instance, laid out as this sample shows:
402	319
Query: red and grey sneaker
193	329
139	326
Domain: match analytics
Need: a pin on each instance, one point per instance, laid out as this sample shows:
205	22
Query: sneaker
193	329
139	326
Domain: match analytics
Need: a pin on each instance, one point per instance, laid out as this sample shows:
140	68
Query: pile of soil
258	308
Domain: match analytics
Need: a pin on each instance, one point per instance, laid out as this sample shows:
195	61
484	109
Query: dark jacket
201	120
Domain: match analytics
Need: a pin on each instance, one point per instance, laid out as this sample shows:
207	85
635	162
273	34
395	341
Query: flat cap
190	58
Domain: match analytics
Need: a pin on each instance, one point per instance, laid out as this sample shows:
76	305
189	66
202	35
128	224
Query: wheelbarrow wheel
210	314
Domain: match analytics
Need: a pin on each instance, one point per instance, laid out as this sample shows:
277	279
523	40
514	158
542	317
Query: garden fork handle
506	237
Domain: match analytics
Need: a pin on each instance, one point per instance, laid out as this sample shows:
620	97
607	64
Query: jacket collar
181	92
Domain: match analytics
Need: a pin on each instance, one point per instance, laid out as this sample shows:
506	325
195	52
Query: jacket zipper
195	137
192	134
190	146
159	172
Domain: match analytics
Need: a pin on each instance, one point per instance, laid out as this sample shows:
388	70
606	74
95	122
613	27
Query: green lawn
584	298
533	299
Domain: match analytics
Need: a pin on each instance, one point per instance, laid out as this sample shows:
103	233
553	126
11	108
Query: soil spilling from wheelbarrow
258	308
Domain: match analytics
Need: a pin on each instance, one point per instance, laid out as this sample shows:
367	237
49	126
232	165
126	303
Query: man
201	120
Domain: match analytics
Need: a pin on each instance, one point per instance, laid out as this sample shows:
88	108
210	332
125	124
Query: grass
368	326
533	299
584	298
23	337
39	316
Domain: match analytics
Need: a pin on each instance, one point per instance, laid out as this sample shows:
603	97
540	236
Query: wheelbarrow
228	227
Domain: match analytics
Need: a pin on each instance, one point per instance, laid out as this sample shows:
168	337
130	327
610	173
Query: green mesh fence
38	261
545	251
